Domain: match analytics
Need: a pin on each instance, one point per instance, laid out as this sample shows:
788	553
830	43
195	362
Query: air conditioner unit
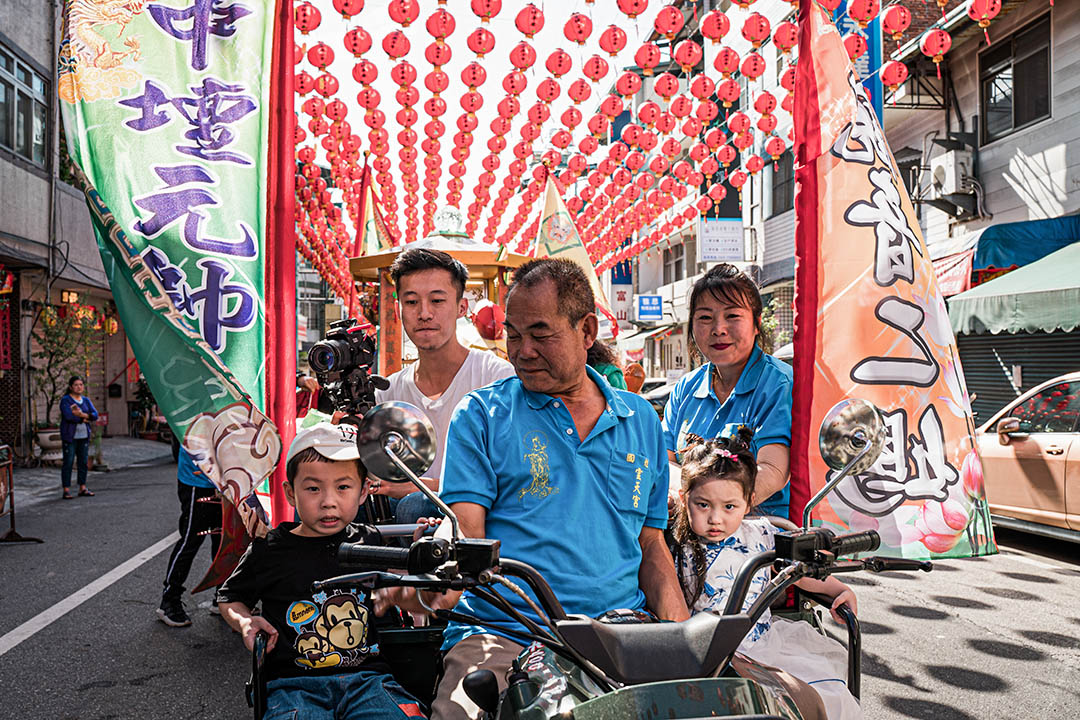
949	173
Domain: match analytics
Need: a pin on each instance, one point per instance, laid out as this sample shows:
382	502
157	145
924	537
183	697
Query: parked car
651	384
1030	453
658	396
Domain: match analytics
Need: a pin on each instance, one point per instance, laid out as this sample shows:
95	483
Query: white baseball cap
333	442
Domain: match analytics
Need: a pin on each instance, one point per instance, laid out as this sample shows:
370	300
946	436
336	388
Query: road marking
77	598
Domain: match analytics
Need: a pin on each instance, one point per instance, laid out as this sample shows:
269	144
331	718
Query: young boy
323	659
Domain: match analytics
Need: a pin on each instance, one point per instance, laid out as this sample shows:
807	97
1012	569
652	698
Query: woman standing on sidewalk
76	414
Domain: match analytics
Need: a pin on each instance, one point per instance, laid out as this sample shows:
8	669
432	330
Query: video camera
342	363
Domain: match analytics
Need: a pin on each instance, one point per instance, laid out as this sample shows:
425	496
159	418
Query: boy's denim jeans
359	695
76	449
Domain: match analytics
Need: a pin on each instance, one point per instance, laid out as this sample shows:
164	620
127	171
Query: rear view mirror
1008	427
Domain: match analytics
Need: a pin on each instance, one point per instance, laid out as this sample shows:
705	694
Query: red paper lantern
437	81
481	41
559	63
855	44
726	155
717	192
934	45
320	55
982	12
666	85
688	54
348	8
547	91
579	91
681	106
613	40
486	9
628	84
786	36
742	141
715	26
737	179
611	107
754	164
530	20
753	66
438	54
474	75
472	101
715	138
306	17
396	45
726	61
404	12
894	74
515	82
728	92
691	127
756	29
633	8
303	82
896	20
703	204
706	111
864	11
647	58
669	21
595	68
357	41
523	56
787	80
578	28
368	98
702	87
326	85
766	124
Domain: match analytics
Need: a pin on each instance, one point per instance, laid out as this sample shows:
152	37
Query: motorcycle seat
652	652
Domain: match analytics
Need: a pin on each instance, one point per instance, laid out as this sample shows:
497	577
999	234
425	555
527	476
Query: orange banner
871	323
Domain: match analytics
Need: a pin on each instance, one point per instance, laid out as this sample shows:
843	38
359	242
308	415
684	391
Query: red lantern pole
280	278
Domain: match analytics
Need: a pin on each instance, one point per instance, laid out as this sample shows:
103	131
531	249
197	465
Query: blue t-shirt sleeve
774	425
467	473
657	515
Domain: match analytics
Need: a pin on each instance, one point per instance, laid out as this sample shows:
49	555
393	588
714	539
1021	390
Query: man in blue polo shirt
568	473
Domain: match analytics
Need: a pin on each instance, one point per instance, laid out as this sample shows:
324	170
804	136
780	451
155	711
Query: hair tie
725	453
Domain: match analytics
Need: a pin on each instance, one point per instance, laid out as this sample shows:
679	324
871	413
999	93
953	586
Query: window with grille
23	109
1015	81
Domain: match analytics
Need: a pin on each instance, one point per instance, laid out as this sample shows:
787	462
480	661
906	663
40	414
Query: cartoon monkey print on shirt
332	631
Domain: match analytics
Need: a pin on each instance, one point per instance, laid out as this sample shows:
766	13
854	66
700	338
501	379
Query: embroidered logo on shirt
538	466
637	487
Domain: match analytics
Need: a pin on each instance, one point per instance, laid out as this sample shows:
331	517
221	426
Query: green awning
1041	297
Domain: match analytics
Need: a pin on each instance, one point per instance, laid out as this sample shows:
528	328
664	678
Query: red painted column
280	279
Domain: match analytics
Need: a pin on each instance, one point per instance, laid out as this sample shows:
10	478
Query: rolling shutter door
988	362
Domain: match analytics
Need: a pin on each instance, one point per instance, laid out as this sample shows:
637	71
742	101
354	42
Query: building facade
46	238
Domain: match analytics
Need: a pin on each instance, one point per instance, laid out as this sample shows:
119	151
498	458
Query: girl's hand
250	627
847	597
424	524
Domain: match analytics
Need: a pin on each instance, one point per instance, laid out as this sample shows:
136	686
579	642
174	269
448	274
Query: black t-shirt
318	633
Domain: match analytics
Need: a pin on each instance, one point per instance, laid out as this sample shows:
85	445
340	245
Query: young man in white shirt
431	292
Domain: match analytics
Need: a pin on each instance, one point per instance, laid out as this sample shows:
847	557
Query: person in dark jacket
76	415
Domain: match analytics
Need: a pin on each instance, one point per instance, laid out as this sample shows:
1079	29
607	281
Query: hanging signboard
650	308
721	240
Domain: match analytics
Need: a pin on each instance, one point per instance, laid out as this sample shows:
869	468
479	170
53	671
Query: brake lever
883	564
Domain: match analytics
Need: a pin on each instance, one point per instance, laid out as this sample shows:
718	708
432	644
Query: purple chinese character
178	200
212	108
207	18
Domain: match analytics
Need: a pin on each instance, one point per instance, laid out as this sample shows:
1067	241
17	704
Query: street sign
721	240
650	308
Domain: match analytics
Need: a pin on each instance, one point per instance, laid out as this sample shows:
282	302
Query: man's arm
240	619
657	577
773	465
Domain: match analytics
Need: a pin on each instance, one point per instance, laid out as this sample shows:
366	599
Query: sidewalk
35	485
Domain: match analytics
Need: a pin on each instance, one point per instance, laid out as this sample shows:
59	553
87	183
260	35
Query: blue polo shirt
572	509
761	401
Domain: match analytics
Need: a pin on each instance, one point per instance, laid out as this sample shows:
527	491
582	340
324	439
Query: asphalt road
983	638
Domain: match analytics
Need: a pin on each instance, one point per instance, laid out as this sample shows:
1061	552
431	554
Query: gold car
1031	460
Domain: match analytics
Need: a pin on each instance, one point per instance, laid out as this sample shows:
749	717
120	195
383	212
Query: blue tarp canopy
1022	243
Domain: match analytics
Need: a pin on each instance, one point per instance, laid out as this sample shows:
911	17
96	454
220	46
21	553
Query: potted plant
68	341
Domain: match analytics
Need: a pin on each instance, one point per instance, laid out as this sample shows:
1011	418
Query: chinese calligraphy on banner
172	145
871	323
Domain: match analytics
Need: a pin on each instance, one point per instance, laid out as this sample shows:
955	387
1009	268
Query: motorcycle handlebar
854	543
373	556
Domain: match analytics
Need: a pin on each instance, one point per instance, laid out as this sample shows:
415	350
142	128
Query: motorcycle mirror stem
393	446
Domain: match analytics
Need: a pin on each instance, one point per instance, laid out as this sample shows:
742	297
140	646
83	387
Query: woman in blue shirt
739	385
76	414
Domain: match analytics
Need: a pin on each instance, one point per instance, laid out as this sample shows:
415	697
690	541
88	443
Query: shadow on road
924	709
967	679
922	613
1000	648
1010	594
1052	639
961	602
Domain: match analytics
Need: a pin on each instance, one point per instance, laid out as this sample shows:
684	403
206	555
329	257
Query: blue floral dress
794	647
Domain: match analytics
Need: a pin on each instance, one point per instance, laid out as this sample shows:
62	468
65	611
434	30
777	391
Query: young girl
714	538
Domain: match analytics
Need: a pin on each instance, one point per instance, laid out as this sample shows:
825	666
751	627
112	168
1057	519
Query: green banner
166	110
